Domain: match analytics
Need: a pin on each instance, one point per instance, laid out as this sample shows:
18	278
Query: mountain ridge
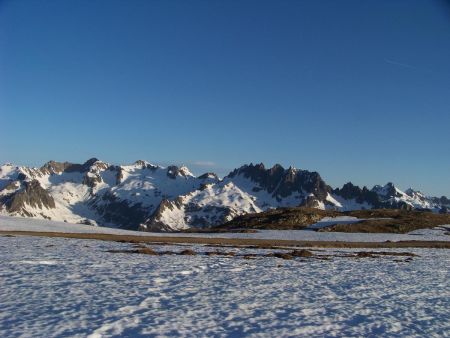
149	197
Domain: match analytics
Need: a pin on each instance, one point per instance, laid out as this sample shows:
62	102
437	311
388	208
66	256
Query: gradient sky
357	90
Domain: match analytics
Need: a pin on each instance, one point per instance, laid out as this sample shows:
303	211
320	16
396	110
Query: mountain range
148	197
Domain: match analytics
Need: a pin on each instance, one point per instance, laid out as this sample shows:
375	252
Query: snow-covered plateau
55	287
440	233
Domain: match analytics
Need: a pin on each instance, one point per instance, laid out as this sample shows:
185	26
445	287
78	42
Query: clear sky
357	90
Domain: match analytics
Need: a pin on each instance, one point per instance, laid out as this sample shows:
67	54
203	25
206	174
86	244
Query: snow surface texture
64	287
28	224
327	221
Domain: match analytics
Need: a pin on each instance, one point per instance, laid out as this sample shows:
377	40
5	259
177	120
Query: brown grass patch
236	242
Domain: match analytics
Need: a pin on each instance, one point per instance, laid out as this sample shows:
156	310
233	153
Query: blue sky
357	90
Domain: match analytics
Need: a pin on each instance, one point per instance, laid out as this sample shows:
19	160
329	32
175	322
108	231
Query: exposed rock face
173	171
145	165
21	177
53	167
119	175
388	190
267	179
32	195
350	191
91	180
280	182
120	212
209	176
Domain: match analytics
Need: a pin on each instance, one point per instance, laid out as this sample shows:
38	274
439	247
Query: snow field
28	224
57	287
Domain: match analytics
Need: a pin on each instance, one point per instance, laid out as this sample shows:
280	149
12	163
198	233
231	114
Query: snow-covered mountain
154	198
94	192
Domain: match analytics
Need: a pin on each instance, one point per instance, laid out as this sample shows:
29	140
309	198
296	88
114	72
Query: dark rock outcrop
173	171
282	182
281	218
91	180
53	167
119	212
208	176
32	194
350	191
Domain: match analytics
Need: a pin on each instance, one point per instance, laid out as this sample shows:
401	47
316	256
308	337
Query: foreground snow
28	224
53	287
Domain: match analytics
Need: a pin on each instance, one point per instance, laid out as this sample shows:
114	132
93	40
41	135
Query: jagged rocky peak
250	171
304	181
209	176
54	167
173	171
90	162
184	171
411	192
281	182
267	179
388	190
97	165
93	169
414	193
276	168
349	191
145	165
